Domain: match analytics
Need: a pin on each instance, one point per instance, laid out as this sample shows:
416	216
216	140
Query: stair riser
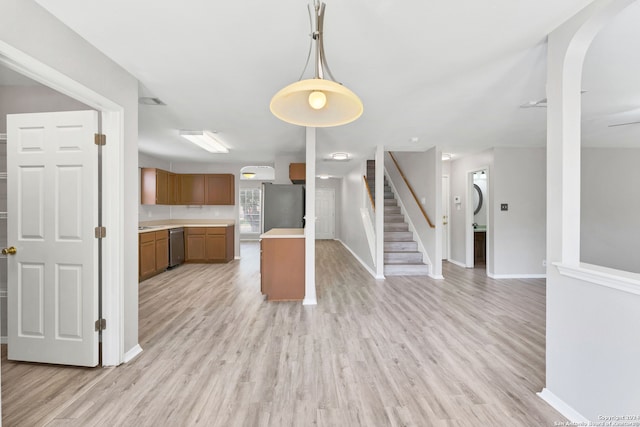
402	257
392	210
406	270
393	218
396	226
400	247
398	236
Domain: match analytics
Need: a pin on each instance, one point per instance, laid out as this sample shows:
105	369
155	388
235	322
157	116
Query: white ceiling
451	74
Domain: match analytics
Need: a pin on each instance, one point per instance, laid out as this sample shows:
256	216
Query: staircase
401	255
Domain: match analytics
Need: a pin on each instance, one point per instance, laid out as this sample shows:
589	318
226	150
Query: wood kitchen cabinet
159	187
282	268
153	255
154	183
219	189
209	244
173	189
298	173
192	189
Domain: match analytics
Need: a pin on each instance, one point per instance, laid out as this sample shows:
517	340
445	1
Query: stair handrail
406	181
366	184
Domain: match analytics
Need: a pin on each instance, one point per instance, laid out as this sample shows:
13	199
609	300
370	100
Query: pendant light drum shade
317	102
291	104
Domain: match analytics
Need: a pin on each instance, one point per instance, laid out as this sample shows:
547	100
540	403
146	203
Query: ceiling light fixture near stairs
317	102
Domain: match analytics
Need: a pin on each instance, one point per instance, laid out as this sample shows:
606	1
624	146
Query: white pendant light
317	102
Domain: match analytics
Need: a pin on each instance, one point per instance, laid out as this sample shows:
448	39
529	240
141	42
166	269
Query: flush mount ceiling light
340	156
205	140
317	102
248	175
446	156
323	176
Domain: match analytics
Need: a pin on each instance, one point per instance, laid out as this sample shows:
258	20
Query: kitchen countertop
176	224
283	233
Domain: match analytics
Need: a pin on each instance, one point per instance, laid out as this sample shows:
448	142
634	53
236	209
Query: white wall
352	232
519	243
610	208
423	171
26	26
459	170
592	329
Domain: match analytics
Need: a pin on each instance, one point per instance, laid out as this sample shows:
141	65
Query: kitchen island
282	271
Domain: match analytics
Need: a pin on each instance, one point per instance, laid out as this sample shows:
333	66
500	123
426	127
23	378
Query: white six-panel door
325	213
52	184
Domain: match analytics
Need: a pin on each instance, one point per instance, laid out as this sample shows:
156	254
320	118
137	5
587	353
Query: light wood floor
466	351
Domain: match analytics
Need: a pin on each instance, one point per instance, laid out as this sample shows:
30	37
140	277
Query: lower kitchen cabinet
282	268
209	244
153	253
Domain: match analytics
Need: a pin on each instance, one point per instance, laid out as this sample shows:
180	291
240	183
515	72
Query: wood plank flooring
407	351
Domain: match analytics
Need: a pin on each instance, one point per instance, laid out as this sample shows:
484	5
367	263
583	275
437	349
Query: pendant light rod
317	36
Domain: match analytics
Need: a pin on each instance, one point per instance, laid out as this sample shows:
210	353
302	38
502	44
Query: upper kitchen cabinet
219	189
154	184
160	187
298	173
173	189
191	189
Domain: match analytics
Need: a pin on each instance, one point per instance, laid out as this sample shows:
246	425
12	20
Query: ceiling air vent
150	101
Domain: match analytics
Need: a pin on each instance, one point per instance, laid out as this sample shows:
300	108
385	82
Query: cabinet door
219	189
162	250
162	182
192	189
147	255
195	244
173	189
298	173
216	249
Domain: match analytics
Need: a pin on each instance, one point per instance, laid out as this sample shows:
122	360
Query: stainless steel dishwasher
176	246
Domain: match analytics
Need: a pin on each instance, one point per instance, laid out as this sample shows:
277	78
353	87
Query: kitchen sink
147	227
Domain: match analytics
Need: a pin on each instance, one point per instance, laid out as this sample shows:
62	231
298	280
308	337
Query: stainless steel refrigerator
282	206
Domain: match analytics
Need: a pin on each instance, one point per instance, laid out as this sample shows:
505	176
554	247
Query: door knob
9	251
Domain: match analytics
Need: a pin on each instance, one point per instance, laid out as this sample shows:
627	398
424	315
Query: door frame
447	234
470	263
112	115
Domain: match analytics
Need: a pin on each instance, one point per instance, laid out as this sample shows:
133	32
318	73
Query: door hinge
101	325
100	139
101	232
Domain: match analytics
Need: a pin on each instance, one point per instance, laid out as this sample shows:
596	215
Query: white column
379	198
310	221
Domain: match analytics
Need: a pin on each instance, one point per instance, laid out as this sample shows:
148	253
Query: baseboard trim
454	262
373	273
310	301
131	354
561	406
517	276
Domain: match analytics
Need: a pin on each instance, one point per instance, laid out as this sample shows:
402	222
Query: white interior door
52	185
445	217
325	213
